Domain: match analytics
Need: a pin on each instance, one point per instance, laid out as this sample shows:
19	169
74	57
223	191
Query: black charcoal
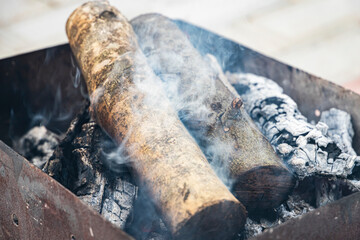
78	163
327	191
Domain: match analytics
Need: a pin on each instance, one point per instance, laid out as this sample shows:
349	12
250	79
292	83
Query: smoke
55	113
75	75
216	152
187	99
116	158
49	92
190	83
146	92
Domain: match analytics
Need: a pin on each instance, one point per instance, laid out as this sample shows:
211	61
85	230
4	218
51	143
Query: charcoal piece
112	211
252	228
37	145
266	224
310	193
313	152
284	150
89	185
340	128
119	200
77	163
292	208
60	165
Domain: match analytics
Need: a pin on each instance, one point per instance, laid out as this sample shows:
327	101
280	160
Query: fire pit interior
313	126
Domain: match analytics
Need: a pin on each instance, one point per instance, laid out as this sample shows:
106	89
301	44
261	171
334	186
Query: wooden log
129	104
214	115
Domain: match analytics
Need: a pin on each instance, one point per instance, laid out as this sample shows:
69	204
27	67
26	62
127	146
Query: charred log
78	164
305	147
214	115
128	103
340	129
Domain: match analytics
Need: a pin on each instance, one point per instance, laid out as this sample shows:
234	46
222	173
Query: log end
218	221
263	187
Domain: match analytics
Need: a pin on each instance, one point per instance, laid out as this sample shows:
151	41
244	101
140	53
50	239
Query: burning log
214	114
305	147
128	103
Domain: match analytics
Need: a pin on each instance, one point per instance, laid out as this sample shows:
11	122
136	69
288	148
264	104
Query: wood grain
129	104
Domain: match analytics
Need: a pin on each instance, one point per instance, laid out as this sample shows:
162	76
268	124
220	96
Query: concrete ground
319	36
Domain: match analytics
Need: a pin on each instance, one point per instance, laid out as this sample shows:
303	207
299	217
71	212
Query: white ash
306	148
340	129
341	132
37	145
354	185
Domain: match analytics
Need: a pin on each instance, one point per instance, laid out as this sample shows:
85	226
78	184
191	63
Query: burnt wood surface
79	163
129	105
304	146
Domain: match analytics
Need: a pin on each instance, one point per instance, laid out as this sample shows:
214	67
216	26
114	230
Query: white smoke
189	81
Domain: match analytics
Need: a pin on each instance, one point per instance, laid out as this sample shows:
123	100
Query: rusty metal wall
35	206
338	220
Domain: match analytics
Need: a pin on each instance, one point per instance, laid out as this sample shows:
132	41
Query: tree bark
129	104
214	114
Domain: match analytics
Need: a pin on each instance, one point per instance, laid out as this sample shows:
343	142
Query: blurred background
321	37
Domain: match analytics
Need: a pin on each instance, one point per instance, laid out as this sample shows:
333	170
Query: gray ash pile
321	156
305	147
